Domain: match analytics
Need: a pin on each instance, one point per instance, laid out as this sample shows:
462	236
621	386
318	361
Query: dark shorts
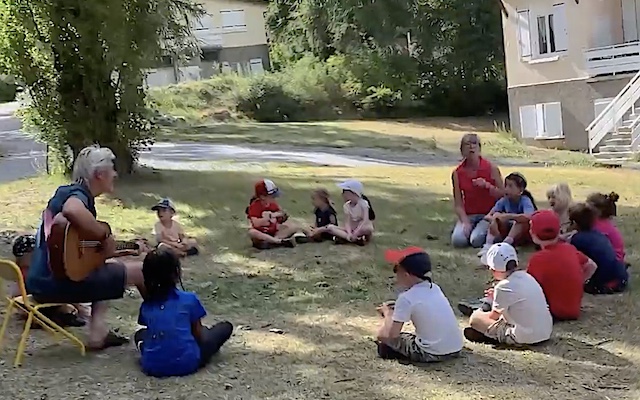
105	283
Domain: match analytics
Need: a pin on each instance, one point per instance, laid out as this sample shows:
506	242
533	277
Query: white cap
499	255
353	186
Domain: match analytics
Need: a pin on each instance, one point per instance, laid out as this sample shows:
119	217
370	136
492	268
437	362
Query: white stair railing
607	120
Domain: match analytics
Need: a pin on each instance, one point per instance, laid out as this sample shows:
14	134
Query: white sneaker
484	250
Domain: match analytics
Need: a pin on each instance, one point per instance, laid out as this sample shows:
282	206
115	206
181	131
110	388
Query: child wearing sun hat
437	335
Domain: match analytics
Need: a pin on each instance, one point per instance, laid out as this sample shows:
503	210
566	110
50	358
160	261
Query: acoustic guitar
74	254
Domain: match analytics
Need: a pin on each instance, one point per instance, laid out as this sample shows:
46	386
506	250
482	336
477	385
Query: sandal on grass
111	340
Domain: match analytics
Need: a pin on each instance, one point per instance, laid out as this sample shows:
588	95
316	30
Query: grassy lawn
323	296
432	136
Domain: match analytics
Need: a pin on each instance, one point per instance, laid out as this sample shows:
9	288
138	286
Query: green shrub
268	101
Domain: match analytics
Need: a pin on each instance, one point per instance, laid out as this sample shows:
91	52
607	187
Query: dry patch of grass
322	296
438	136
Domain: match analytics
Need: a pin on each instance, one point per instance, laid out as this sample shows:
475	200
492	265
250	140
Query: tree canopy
83	64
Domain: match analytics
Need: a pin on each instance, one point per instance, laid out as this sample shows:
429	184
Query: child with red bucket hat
437	334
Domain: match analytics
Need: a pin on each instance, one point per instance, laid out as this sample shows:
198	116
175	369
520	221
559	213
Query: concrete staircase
616	148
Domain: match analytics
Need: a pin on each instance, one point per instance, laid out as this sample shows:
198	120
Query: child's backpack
372	214
246	210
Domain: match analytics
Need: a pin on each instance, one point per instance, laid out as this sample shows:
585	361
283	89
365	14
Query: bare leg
134	277
98	328
256	235
338	231
287	229
515	232
481	320
366	231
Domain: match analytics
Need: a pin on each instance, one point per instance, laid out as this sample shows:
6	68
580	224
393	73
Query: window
233	20
256	66
549	34
541	121
203	23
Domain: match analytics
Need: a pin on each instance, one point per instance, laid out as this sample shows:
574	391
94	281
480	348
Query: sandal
111	340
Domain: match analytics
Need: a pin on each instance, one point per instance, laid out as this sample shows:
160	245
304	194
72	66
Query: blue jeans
478	234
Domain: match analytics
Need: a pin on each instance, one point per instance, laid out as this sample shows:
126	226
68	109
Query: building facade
572	73
232	37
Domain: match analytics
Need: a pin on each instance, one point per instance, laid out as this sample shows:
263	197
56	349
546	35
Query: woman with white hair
477	185
93	175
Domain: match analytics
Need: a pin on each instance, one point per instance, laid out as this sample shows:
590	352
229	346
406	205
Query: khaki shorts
406	345
502	331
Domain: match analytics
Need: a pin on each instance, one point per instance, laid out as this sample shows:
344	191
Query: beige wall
255	34
577	99
587	24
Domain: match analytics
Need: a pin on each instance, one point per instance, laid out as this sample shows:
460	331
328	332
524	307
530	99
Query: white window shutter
240	21
553	120
524	33
528	122
227	18
540	125
560	27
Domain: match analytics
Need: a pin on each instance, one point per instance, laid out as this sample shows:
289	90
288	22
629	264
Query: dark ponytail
604	203
372	214
521	182
161	271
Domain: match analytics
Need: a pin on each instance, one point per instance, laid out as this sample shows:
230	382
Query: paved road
23	157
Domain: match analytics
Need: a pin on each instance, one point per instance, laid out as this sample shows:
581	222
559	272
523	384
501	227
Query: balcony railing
616	59
209	38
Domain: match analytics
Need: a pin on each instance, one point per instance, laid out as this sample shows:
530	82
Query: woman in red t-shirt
477	185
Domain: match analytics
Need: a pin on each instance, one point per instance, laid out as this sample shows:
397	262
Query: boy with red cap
560	269
438	336
269	224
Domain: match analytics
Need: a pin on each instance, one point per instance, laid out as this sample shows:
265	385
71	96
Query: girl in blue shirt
611	276
509	217
174	342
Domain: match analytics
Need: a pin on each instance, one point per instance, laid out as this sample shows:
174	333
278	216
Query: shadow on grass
302	135
347	279
323	297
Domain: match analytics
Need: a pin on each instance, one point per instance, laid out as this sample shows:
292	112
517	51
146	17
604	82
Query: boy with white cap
358	215
519	313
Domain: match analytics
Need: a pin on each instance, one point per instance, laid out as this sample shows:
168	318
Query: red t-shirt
476	200
559	271
256	208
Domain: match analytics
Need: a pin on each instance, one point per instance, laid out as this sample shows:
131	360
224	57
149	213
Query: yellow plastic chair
10	272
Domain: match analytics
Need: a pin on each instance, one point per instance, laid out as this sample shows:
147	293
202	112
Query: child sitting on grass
509	217
437	336
611	276
358	216
560	199
605	224
174	342
169	232
519	313
559	268
325	216
269	225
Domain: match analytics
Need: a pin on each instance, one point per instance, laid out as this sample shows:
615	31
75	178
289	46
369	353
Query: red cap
266	187
545	224
413	259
